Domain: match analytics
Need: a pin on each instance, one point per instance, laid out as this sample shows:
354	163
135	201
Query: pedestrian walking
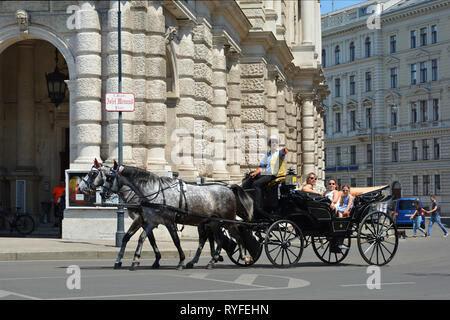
417	218
435	213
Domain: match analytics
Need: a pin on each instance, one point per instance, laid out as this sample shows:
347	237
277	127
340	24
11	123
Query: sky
326	5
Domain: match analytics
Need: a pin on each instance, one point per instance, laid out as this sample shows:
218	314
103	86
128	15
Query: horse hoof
118	265
134	266
209	266
180	267
220	259
155	266
189	265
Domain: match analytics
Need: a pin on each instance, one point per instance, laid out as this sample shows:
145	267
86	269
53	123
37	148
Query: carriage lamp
291	178
55	84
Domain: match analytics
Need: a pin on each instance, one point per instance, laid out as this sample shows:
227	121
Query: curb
88	255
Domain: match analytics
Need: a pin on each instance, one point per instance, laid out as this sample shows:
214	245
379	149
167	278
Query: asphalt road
420	270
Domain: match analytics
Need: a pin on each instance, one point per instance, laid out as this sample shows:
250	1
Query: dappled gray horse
166	201
96	178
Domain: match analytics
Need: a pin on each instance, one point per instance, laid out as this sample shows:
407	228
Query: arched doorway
34	133
396	190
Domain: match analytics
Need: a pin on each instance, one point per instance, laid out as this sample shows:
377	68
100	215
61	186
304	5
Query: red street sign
116	102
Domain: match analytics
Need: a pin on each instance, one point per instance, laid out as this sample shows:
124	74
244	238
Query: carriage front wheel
377	238
284	243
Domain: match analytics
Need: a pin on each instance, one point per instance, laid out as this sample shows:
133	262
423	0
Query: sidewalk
62	249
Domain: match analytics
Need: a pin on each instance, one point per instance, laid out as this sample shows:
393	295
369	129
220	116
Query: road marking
4	293
246	279
383	284
198	275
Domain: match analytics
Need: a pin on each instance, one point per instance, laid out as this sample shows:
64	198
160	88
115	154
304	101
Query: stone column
272	108
219	113
156	90
86	103
112	81
281	110
307	137
25	130
308	22
234	154
183	153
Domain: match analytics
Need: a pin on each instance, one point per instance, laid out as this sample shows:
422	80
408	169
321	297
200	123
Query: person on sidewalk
435	216
417	219
58	191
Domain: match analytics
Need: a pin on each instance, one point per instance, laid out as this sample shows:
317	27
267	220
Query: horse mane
142	176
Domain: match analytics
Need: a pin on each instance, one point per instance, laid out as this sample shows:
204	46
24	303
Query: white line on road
382	284
4	293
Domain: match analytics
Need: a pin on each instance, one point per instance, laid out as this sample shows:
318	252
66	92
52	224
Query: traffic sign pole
120	211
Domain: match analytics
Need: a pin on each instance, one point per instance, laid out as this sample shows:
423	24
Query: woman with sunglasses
310	183
345	202
332	193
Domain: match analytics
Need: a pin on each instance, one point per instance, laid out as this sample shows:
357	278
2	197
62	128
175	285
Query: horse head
92	180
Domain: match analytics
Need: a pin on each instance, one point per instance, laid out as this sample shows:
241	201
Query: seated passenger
310	183
333	193
345	203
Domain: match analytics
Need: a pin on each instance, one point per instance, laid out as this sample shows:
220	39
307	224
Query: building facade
388	114
212	80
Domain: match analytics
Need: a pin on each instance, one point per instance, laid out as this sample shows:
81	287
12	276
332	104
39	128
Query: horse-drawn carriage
299	218
296	219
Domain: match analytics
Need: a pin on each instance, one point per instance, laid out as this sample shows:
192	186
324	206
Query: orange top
57	193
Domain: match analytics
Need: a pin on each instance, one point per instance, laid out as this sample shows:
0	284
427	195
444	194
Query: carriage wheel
284	243
331	250
377	238
307	241
240	256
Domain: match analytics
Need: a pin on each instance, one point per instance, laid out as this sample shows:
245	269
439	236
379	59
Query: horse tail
244	203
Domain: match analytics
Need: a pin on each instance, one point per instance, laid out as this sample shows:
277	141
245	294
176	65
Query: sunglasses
331	184
345	190
312	178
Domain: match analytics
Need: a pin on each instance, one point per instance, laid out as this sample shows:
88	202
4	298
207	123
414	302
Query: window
423	36
413	112
353	155
415	185
434	70
413	39
352	120
368	47
437	184
423	111
423	72
369	153
368	81
352	51
394	116
337	55
352	85
369	181
338	156
436	149
393	43
425	149
434	34
426	185
435	109
338	122
414	151
337	87
324	58
394	78
325	124
394	151
413	73
352	182
368	117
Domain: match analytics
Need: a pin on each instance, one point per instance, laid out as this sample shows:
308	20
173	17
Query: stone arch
11	35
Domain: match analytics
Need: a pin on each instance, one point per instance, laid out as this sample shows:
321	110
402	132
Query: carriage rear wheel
377	238
284	243
331	250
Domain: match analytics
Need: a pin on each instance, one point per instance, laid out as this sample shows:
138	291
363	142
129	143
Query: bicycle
23	223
